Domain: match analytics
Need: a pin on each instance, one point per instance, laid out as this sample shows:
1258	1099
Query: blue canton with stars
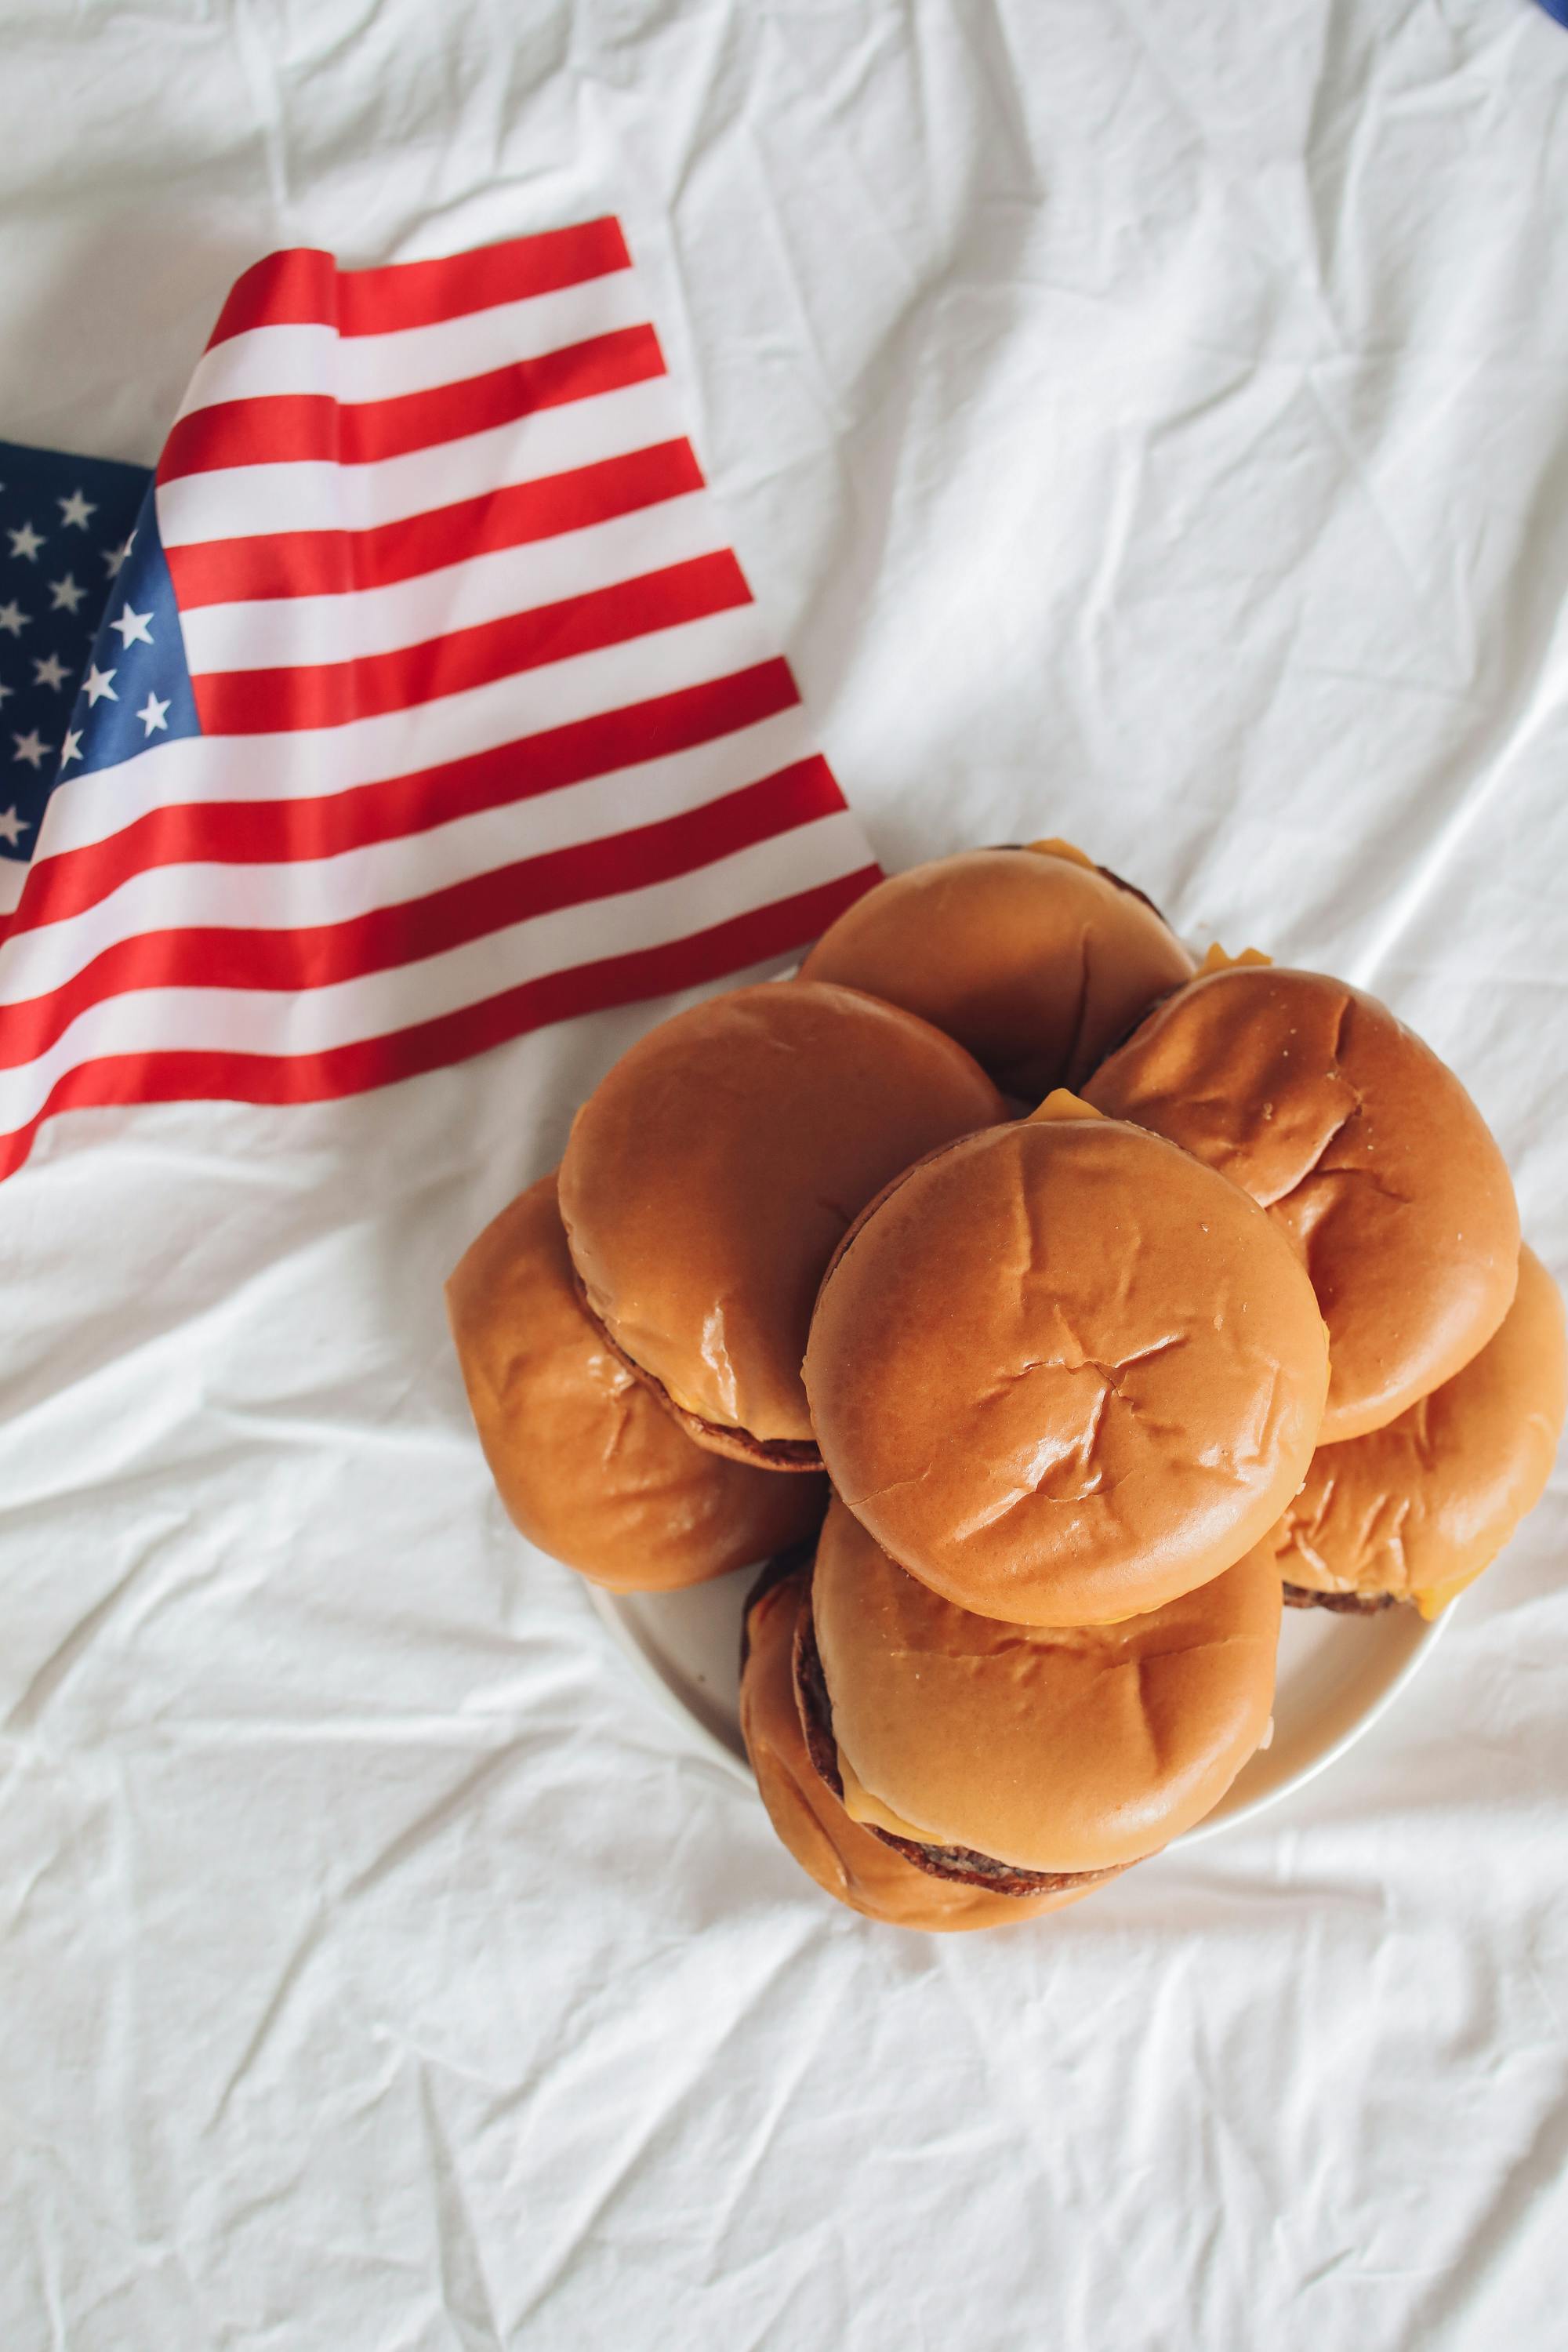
64	523
136	690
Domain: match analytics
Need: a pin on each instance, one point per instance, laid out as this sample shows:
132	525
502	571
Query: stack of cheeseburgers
1047	1313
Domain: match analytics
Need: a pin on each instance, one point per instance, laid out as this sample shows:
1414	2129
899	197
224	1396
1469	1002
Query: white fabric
1145	423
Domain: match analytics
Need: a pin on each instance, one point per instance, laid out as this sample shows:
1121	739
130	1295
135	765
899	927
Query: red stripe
322	955
303	288
334	562
270	833
271	701
714	954
310	428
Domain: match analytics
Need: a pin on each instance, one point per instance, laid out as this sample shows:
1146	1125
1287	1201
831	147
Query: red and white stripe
493	733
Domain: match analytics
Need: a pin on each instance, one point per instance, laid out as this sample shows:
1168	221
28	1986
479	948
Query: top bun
1364	1149
1034	959
1413	1511
849	1863
1063	1373
712	1174
1049	1749
588	1463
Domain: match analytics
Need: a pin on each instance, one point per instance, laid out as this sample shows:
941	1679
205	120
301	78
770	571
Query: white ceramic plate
1337	1675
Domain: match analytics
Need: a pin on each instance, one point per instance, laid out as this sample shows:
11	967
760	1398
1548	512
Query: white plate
1337	1675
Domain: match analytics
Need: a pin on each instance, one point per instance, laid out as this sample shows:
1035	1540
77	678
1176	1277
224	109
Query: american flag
428	705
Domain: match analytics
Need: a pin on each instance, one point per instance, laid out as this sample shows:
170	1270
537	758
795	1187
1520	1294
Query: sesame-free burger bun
1047	1750
851	1863
1415	1510
588	1464
1063	1373
709	1177
1034	959
1364	1149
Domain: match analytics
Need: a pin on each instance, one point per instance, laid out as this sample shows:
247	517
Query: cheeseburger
1064	1373
1029	1758
1365	1150
851	1863
710	1176
587	1462
1036	960
1415	1510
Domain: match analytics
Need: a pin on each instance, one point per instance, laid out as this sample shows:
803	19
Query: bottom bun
853	1864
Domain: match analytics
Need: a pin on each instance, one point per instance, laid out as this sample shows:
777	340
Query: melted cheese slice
1052	847
1061	1103
1217	960
689	1404
862	1806
1433	1599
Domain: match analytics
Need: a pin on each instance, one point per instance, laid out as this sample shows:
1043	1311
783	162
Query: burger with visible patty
709	1177
1415	1511
588	1463
1026	1760
1364	1148
1035	958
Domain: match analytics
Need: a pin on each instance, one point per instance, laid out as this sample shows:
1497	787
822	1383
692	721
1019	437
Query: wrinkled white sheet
1145	423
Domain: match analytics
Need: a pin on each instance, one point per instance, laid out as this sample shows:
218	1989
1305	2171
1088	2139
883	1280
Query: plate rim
604	1600
1429	1631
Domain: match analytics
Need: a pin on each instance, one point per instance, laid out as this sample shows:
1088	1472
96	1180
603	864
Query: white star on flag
29	748
76	509
24	542
97	683
50	671
113	557
71	748
154	714
12	617
133	627
66	594
5	690
12	826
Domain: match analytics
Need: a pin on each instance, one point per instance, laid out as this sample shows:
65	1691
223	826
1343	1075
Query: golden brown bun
1064	1373
1037	962
1416	1509
588	1464
845	1861
1052	1748
710	1176
1365	1150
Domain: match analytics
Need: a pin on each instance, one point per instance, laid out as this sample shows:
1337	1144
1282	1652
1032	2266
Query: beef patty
1302	1596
